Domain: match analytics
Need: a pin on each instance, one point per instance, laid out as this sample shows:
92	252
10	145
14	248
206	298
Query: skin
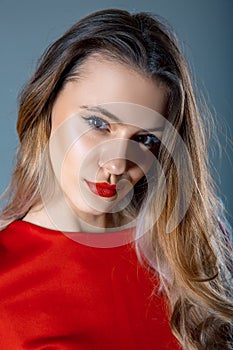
99	149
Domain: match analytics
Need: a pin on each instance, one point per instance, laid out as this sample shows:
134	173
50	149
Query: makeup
104	136
102	189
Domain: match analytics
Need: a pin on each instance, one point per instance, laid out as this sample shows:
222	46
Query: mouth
102	189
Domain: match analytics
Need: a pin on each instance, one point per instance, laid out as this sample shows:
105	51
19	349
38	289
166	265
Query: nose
115	166
114	157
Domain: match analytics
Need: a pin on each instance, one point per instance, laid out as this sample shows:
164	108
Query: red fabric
59	294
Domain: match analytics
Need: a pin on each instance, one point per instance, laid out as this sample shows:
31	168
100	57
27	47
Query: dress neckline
96	240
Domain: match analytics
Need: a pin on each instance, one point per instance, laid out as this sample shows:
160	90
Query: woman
113	154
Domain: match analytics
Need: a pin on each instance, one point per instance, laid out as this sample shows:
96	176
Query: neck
57	215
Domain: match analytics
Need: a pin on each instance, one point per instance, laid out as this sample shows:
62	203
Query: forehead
122	91
111	81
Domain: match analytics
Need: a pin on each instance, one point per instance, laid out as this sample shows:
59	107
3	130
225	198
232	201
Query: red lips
102	189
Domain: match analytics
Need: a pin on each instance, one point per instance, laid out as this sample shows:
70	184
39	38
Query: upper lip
104	185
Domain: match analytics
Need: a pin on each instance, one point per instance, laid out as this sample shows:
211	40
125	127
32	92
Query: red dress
56	293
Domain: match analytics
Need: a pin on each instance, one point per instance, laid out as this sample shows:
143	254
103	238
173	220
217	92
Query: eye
150	141
96	122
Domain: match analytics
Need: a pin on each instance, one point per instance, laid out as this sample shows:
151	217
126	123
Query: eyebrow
113	116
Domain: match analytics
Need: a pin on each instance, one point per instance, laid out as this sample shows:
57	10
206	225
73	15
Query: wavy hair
194	260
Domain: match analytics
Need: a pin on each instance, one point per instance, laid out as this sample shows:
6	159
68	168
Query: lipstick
102	189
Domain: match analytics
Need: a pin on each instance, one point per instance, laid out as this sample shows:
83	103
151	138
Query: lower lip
101	190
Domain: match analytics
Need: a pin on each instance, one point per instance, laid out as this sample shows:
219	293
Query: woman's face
106	128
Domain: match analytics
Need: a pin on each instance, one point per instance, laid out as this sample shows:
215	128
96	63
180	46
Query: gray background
205	29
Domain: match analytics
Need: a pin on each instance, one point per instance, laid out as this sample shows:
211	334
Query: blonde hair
194	260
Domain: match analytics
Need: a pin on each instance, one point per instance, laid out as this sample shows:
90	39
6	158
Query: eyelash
93	120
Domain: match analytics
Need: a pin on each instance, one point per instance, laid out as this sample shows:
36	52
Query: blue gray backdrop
205	29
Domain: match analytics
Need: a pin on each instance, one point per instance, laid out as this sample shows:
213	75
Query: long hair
194	260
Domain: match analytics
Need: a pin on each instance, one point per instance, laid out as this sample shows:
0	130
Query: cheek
136	173
141	169
72	163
